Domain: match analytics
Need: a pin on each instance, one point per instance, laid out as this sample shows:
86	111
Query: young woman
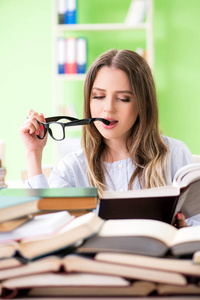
130	152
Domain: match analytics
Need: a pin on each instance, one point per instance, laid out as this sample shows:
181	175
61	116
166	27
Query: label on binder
70	65
60	54
70	14
81	55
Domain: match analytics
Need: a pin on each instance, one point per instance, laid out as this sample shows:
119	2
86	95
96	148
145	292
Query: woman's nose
109	105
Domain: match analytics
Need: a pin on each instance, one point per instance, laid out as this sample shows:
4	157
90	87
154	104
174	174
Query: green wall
26	65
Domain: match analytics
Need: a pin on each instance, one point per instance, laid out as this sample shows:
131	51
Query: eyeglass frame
73	122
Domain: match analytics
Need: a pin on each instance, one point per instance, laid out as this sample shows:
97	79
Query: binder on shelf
81	55
62	7
70	13
70	64
61	55
137	12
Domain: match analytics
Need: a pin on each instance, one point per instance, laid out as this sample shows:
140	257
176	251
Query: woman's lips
112	124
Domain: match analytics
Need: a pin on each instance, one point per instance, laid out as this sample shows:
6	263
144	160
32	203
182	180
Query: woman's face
112	99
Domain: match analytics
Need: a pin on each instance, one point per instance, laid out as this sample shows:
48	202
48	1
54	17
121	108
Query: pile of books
58	255
52	244
2	176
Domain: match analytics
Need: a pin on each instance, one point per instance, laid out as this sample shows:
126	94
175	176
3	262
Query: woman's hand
180	221
34	146
30	130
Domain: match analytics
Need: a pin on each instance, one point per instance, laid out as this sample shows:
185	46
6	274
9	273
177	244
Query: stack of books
21	202
90	257
53	245
2	176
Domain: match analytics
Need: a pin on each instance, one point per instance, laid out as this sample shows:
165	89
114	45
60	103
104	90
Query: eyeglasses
57	129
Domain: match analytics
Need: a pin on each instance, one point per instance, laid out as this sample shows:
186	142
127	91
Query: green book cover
49	192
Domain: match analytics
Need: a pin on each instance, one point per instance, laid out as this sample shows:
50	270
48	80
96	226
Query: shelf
62	83
78	77
101	27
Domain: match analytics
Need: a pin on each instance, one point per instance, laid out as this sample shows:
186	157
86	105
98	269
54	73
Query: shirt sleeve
193	221
37	182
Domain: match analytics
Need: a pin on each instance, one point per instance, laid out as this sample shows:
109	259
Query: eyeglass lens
56	131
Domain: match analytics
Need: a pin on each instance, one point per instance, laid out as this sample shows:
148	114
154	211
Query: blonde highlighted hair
146	147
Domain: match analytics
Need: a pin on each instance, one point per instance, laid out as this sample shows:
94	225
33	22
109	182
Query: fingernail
178	216
42	127
37	132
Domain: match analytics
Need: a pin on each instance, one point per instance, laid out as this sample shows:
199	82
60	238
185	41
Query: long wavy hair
147	149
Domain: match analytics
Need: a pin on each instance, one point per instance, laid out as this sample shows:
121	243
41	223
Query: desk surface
116	298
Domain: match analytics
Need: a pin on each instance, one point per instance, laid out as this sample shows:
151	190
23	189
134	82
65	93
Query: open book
79	264
162	203
76	284
186	266
103	275
71	234
145	237
39	226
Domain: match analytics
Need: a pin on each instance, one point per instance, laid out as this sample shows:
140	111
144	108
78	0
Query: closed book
137	12
71	12
61	8
70	61
81	55
50	199
60	55
13	206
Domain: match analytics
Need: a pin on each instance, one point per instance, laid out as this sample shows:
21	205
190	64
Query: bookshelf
61	80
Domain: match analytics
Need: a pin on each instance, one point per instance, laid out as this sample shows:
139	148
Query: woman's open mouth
112	124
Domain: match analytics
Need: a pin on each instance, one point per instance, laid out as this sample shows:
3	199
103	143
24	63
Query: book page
38	226
186	234
188	202
79	279
143	193
186	175
139	227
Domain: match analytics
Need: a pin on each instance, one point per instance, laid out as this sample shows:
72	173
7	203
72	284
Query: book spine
60	53
61	7
70	65
71	12
137	12
81	55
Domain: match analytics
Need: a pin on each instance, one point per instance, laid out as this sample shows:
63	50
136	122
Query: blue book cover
81	55
71	12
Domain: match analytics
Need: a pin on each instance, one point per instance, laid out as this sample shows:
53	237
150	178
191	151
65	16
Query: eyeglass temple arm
57	118
87	121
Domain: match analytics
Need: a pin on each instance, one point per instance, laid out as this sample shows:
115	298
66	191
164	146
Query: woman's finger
180	220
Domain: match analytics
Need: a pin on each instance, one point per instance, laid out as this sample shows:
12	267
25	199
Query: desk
115	298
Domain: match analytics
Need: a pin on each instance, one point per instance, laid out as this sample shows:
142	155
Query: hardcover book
161	203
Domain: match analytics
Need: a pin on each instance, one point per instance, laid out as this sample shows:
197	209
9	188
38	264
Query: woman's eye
124	99
98	97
